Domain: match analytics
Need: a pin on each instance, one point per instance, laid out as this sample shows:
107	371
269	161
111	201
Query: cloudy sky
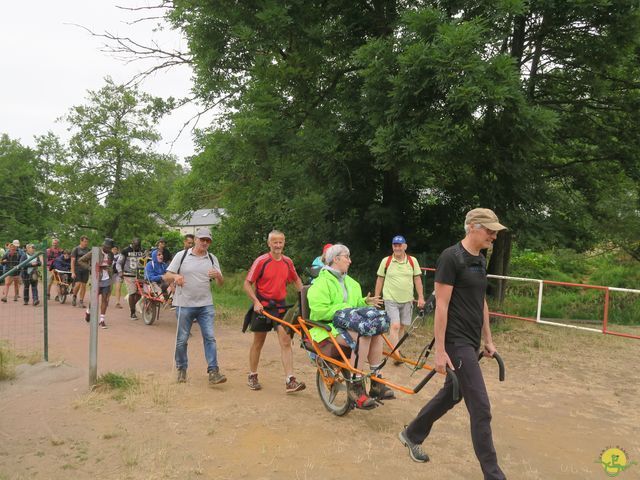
48	65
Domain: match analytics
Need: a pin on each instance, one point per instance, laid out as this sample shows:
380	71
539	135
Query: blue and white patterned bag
366	321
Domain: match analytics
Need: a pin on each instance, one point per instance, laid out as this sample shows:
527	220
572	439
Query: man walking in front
461	319
192	270
266	286
398	274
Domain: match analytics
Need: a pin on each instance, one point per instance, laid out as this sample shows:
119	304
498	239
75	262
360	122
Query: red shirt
271	276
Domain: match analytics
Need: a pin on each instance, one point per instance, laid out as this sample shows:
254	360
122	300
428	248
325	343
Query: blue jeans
204	316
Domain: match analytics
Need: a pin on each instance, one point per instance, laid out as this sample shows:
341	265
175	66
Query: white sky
48	65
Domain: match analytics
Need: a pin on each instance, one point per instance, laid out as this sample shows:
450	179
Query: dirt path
568	395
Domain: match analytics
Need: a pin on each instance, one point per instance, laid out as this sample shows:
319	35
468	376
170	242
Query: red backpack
390	257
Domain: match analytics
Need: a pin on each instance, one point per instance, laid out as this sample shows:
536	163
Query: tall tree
113	177
23	201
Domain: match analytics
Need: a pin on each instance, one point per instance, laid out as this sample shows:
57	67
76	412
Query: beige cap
484	217
16	243
203	232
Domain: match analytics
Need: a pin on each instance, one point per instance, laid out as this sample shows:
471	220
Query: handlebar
498	358
450	374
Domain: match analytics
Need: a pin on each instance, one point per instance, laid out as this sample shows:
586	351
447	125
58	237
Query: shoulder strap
390	257
185	252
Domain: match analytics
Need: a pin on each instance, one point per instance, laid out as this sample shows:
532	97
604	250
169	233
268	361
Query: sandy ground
568	396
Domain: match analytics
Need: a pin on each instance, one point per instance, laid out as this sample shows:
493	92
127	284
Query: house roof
202	217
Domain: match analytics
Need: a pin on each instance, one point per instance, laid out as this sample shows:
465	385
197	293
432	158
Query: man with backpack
192	271
398	274
461	320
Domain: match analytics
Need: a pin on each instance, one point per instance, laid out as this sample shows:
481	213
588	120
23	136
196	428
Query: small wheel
149	311
332	388
62	295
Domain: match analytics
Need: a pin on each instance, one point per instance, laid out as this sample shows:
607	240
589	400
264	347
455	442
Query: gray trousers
474	392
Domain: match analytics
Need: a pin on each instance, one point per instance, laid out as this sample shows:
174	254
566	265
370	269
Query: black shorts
262	323
82	276
104	290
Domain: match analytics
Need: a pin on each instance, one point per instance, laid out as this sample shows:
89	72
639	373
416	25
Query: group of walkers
356	321
12	256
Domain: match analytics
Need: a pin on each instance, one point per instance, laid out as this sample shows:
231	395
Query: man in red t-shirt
266	286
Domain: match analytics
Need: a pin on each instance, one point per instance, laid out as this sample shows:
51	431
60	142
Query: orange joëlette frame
302	330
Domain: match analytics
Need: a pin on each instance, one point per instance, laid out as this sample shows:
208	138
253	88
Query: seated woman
337	298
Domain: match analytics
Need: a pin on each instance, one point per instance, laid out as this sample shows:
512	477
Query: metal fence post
45	300
93	330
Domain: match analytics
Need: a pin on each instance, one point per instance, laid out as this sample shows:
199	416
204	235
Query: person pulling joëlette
461	319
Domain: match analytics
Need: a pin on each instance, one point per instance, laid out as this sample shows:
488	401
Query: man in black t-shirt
461	319
79	274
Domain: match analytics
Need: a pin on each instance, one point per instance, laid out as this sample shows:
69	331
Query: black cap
108	242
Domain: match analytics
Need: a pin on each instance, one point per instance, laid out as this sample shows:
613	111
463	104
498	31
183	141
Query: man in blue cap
398	275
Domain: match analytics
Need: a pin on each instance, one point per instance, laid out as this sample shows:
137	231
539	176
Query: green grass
120	384
7	363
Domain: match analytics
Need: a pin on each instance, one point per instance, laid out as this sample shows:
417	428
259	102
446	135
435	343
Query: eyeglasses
206	240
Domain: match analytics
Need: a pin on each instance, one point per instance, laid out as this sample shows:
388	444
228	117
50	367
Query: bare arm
249	289
171	277
73	267
417	282
489	347
443	296
379	284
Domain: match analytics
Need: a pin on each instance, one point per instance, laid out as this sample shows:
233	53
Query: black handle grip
450	374
498	358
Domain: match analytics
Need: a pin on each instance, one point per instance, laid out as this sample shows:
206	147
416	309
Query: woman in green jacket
336	298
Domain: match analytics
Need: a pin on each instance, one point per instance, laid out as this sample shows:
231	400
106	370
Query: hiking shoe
252	381
381	391
57	298
182	375
415	450
87	317
4	299
216	377
26	302
36	302
73	301
81	304
358	395
294	386
103	324
118	305
133	316
15	299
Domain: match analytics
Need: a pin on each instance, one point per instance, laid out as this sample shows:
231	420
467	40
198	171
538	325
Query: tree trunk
499	265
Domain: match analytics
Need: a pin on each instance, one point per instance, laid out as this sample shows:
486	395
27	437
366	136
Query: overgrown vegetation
7	363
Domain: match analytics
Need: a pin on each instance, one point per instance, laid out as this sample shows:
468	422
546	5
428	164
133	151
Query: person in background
53	252
11	259
117	275
30	276
397	276
102	278
129	263
79	274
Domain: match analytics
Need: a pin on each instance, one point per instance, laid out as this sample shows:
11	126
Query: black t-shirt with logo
468	275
